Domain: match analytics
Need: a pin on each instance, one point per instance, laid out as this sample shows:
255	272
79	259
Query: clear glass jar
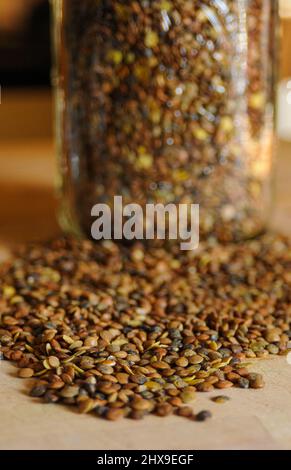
167	101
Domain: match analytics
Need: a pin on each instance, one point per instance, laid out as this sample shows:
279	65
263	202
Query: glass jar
167	101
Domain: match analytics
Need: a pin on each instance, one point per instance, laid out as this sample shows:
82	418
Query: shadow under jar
167	101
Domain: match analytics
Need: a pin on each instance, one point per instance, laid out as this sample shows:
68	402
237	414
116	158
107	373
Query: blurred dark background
25	43
25	56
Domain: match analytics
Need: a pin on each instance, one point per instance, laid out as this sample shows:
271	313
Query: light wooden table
250	420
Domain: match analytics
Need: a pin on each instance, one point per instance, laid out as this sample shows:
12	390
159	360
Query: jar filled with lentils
167	101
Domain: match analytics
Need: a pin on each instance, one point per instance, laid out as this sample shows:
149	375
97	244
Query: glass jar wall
167	101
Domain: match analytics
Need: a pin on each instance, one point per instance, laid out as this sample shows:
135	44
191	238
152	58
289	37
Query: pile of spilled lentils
129	331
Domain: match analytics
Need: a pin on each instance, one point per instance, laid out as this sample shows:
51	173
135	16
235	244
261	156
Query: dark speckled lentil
203	415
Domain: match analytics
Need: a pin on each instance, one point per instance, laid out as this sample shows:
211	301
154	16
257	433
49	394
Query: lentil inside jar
168	101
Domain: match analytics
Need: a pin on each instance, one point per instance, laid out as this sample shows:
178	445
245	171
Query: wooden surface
251	420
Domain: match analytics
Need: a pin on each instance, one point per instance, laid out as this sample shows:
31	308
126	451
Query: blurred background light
285	8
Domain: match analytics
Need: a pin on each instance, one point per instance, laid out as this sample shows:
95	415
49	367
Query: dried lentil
164	409
185	412
25	373
136	366
38	391
53	362
220	399
155	111
203	415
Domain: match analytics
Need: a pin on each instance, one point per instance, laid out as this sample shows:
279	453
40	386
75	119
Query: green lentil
220	399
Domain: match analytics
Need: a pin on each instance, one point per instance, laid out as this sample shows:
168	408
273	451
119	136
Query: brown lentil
86	405
205	387
25	373
113	414
136	414
182	362
223	384
142	405
164	409
219	296
185	412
